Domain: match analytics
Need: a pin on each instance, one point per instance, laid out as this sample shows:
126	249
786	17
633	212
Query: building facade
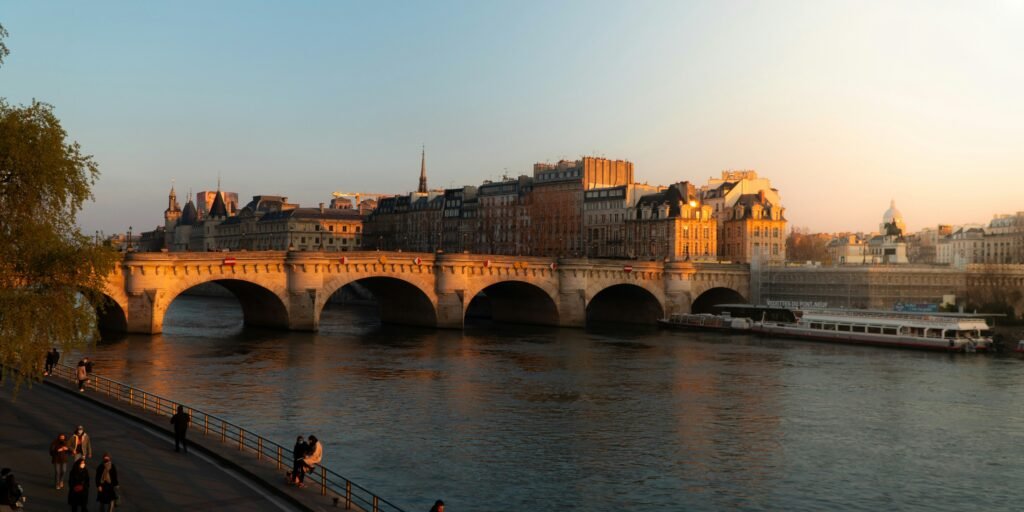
751	221
672	225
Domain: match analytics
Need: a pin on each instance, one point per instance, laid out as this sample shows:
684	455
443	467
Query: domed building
892	218
889	246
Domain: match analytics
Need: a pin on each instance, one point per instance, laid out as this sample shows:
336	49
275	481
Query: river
513	418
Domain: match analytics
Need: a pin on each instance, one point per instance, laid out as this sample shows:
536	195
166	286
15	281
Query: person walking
106	484
82	374
59	458
180	421
81	445
438	506
78	487
52	358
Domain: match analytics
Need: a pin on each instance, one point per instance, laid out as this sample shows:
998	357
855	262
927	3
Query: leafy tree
50	273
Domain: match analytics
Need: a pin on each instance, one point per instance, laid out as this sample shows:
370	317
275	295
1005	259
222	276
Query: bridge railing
347	494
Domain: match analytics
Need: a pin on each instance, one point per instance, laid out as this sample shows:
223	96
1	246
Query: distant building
672	225
750	217
557	204
605	214
504	216
206	198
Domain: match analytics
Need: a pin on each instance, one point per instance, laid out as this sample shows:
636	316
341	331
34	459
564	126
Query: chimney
321	208
760	194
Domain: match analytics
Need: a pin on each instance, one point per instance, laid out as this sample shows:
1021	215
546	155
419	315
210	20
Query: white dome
893	216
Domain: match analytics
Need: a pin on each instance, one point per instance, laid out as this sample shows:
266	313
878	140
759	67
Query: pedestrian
438	506
59	458
81	446
52	358
298	452
78	487
10	490
314	454
106	484
88	366
82	374
180	422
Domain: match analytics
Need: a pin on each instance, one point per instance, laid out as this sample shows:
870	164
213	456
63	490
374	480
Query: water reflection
500	417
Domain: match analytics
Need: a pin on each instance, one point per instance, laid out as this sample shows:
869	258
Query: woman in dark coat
106	483
78	487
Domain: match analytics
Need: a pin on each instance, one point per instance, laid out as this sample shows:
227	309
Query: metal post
241	440
348	495
131	396
206	423
259	448
376	506
278	457
223	431
323	481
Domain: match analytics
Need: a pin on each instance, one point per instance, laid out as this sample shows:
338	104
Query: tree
50	273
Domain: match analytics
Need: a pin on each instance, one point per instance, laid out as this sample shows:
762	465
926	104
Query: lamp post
128	242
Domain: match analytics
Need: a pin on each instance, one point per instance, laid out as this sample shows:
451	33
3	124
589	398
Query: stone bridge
289	290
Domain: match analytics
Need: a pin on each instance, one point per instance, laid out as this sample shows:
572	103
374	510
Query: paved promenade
153	477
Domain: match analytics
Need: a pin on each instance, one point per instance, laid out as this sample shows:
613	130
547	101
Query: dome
894	217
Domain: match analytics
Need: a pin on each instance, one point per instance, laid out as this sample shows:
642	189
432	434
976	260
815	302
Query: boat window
815	326
830	327
986	333
858	328
874	330
889	330
844	328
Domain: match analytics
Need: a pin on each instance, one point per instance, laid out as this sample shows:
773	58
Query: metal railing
345	492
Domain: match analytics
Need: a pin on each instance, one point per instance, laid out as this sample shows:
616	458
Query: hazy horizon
843	105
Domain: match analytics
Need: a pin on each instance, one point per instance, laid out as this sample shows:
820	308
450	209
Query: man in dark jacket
180	421
10	490
59	451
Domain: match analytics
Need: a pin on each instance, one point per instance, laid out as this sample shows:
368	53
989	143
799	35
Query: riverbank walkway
153	477
214	475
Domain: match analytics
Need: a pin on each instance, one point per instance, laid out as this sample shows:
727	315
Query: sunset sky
844	105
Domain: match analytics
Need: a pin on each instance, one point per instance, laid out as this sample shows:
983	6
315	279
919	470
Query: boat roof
850	311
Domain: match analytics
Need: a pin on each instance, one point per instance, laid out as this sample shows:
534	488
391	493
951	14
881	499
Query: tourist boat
706	322
931	331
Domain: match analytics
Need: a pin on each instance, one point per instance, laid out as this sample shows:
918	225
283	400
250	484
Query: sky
843	105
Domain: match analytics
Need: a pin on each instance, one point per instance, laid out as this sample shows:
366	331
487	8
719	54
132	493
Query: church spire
423	172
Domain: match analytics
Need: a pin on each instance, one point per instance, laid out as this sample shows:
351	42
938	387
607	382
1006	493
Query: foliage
803	246
50	273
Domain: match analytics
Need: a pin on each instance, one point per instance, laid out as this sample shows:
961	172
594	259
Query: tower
173	212
423	172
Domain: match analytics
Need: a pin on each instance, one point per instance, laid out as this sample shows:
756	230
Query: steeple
218	209
423	172
172	213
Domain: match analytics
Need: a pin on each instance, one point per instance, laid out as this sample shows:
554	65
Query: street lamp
128	242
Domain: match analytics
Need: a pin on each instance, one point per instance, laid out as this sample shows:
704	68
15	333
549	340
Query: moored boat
706	321
930	331
1020	347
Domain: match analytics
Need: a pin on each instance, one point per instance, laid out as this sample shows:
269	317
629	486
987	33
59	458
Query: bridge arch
706	301
111	315
261	306
399	301
625	303
513	301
